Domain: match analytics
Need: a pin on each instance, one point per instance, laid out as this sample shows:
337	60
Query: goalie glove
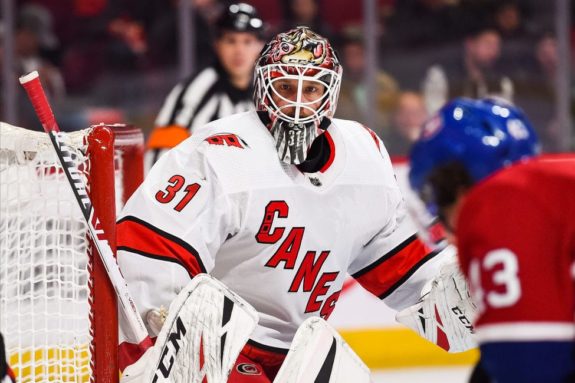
445	314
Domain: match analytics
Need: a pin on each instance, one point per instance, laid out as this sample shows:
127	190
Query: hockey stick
33	87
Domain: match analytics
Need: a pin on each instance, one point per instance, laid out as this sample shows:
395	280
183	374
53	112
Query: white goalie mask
297	83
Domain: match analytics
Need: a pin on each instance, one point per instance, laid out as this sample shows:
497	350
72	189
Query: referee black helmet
240	17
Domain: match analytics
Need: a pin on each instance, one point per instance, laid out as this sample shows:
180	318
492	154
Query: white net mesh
44	308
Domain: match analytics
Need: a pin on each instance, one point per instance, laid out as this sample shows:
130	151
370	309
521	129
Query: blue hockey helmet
480	135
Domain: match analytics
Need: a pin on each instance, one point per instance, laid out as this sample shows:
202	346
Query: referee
217	91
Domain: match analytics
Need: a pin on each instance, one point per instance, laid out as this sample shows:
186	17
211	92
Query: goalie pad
202	336
319	354
445	314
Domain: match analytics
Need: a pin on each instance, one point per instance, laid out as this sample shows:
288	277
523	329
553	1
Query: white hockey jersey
223	203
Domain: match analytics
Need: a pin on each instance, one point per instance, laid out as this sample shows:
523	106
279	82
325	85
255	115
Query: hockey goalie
277	205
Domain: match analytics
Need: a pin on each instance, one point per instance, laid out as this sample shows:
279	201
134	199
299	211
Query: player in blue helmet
510	210
463	143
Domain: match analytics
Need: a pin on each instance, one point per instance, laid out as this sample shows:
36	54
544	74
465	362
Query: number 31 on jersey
175	184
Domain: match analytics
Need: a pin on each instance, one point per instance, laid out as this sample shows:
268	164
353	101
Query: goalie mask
297	81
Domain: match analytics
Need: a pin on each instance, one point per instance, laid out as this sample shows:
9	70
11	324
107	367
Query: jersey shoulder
524	184
490	201
228	134
238	149
520	204
358	133
363	143
225	137
559	166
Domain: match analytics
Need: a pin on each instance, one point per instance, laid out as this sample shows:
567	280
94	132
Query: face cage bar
268	74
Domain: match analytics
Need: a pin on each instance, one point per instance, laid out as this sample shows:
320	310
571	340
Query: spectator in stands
475	74
416	23
216	91
408	118
163	32
353	103
39	18
535	93
510	20
32	36
105	38
306	13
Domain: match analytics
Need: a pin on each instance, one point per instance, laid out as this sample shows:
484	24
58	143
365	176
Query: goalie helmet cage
58	310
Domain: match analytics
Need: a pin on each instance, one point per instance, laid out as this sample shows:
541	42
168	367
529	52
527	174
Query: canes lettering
309	277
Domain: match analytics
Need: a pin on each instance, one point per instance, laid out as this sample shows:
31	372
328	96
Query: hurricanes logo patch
227	139
248	369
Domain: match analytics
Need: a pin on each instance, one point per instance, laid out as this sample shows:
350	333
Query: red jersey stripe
373	135
139	237
390	271
331	152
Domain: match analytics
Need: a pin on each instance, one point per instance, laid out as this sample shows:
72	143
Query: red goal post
58	310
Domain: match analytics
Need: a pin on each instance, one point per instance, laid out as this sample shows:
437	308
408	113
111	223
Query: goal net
57	310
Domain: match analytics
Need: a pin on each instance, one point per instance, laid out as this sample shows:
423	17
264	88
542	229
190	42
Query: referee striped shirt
207	96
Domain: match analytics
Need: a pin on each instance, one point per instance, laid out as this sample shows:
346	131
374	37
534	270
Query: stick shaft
33	87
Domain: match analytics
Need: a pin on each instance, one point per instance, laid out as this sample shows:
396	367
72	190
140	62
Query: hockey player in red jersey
279	210
476	166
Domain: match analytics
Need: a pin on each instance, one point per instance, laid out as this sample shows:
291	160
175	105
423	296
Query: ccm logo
172	347
463	319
